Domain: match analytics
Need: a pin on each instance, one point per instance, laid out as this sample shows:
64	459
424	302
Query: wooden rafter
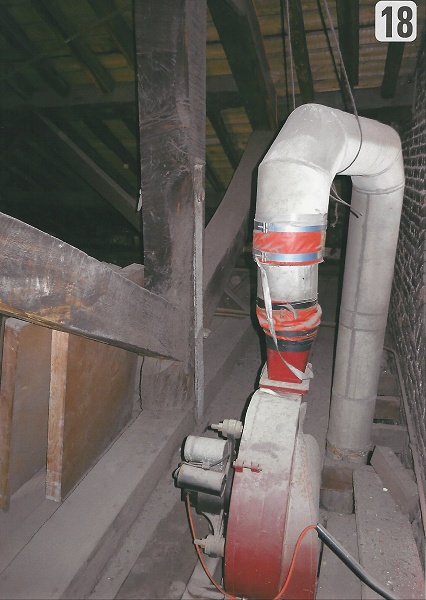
222	93
238	28
348	24
46	281
21	42
117	27
59	22
224	138
102	131
300	51
213	179
392	68
92	173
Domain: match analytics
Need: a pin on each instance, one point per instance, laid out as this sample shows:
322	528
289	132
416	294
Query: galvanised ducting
294	180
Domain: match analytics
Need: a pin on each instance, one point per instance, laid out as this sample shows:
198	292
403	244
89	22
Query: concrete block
336	492
388	410
387	549
396	478
335	580
393	436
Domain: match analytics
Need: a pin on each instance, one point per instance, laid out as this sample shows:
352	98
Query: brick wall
407	310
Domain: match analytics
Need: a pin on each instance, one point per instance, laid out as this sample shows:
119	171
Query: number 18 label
395	21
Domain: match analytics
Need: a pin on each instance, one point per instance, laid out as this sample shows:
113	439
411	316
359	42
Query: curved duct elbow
294	180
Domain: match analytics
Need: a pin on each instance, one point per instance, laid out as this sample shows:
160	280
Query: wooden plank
59	22
348	25
47	281
93	174
90	403
58	388
300	51
239	31
392	67
30	396
170	48
9	365
227	231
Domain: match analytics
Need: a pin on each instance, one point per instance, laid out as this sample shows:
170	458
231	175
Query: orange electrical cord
207	572
293	561
200	556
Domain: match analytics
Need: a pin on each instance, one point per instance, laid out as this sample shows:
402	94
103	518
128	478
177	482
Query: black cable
351	563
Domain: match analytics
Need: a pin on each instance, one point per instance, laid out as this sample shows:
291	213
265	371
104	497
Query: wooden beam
49	282
171	137
20	86
392	68
61	25
239	32
227	231
102	131
222	93
224	138
366	99
80	95
170	50
348	25
300	51
117	27
21	42
93	174
213	179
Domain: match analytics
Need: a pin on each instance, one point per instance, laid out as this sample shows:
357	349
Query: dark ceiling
69	143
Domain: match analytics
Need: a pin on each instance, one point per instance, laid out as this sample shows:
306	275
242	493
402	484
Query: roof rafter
392	68
300	51
348	24
92	173
58	21
238	28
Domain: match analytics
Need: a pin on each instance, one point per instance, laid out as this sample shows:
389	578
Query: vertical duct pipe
294	180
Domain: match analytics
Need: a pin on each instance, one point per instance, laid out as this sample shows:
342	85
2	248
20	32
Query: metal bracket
239	465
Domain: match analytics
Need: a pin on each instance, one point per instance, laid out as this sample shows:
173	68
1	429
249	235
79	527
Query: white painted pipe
294	180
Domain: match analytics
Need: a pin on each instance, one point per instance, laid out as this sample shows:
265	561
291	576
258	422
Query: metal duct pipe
294	180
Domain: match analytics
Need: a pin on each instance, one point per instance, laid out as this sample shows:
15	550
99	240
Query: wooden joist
46	281
238	28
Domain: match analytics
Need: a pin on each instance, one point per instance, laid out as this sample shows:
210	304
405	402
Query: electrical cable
351	563
199	554
324	536
293	561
